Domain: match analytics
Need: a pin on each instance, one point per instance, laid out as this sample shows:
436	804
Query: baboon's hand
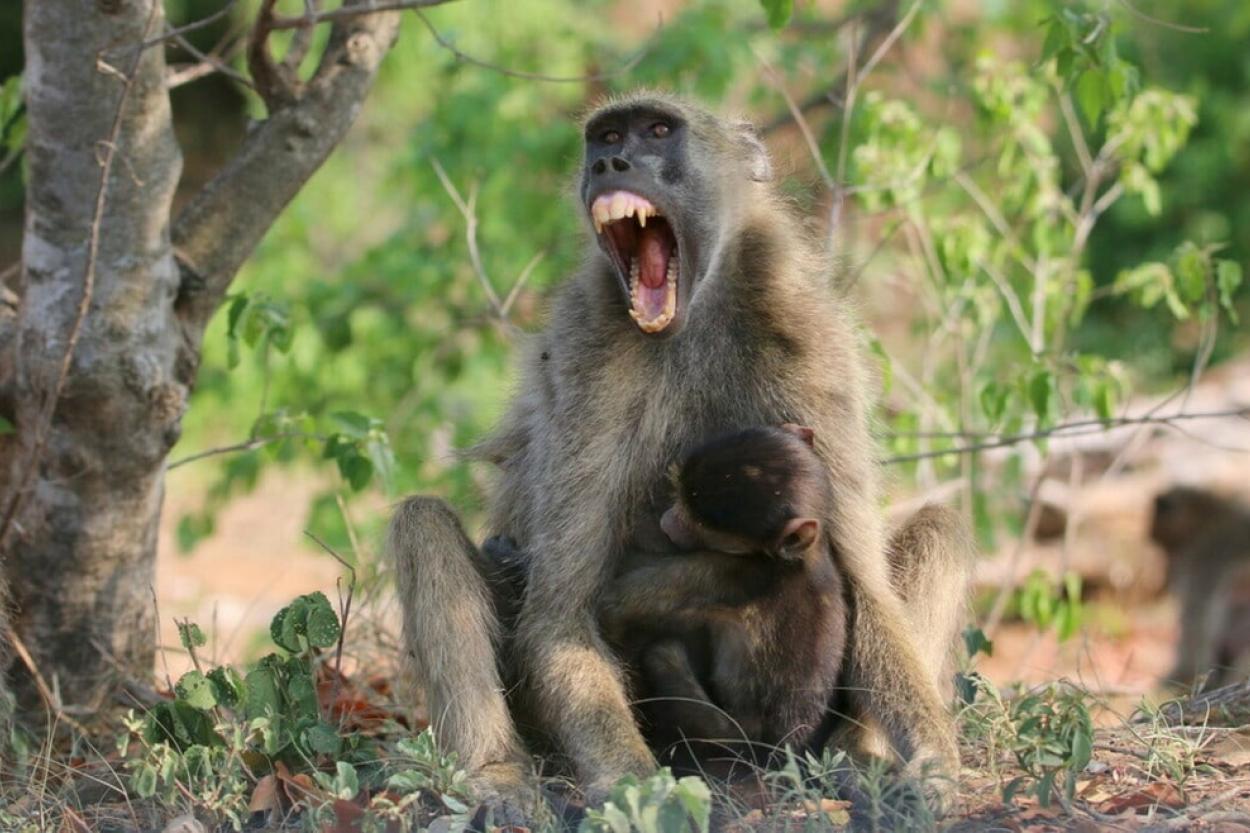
507	796
935	774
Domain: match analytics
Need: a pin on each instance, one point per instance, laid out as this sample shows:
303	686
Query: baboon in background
702	308
740	643
1207	541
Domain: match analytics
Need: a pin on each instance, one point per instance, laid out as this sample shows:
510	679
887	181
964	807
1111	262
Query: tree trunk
81	484
81	552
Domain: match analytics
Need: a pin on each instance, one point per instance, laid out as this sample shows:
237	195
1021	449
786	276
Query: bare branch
1069	429
190	27
1167	24
247	445
347	12
521	280
223	223
212	63
531	76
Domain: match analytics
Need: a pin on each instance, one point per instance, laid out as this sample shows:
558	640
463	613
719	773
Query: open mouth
641	242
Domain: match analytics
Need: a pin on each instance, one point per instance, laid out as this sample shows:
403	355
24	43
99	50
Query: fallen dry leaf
265	796
1158	793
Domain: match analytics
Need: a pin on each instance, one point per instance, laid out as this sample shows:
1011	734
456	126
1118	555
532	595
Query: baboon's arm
666	592
578	687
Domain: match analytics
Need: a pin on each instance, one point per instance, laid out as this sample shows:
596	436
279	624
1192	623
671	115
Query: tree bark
80	554
81	551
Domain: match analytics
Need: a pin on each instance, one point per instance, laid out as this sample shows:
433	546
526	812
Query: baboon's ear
759	164
796	536
804	433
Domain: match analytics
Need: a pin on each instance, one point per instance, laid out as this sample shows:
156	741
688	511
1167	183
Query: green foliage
659	804
1046	731
218	721
1044	605
12	117
778	11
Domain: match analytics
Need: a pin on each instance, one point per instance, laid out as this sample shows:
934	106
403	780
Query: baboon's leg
931	558
450	636
1204	614
688	729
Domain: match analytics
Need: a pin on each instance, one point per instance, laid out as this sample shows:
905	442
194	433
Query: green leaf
1040	386
191	636
994	401
1227	279
778	12
322	739
143	780
6	427
192	529
696	798
1092	94
1104	400
1191	272
228	686
357	470
1082	750
323	623
976	642
263	699
353	424
195	690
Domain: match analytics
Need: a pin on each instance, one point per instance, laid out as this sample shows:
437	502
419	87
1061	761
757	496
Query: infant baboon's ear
759	163
796	536
804	433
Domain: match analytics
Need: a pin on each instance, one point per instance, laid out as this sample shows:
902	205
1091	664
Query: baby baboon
703	307
740	643
1207	541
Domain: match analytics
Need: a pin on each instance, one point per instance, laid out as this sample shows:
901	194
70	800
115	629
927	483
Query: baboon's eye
660	130
611	137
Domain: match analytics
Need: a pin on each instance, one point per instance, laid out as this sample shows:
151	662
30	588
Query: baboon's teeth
618	205
659	322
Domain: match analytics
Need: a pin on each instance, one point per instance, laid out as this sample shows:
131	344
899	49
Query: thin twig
894	35
1167	24
217	64
345	609
190	27
632	62
45	692
521	280
43	427
1070	429
247	445
468	210
348	12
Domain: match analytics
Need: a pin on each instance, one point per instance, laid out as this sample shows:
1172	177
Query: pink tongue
653	257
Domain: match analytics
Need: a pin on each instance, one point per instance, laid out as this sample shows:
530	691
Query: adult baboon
702	308
1207	541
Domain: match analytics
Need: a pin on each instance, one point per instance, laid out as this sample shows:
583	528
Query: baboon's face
659	185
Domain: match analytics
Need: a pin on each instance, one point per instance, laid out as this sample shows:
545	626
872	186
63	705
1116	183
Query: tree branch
1067	429
225	221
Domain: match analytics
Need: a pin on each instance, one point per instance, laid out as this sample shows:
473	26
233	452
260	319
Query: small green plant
659	804
1047	732
222	730
1173	750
